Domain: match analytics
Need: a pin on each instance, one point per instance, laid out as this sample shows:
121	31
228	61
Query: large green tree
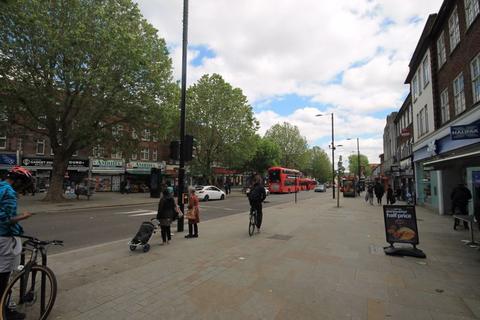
364	165
293	146
318	164
222	122
267	154
74	70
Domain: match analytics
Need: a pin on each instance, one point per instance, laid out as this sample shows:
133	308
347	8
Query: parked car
206	193
320	188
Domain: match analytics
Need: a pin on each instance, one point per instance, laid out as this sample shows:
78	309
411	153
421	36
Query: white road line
228	209
148	213
133	211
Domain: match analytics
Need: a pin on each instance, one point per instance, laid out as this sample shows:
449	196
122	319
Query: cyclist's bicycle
253	221
33	287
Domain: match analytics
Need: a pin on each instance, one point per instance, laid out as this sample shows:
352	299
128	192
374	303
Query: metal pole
333	159
181	169
296	190
338	191
358	162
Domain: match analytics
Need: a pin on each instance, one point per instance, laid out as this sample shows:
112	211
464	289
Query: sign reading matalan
465	132
401	224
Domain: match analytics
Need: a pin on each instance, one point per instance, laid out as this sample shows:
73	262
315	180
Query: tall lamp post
358	159
181	169
333	153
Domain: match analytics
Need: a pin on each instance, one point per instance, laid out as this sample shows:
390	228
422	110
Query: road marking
228	209
133	211
145	213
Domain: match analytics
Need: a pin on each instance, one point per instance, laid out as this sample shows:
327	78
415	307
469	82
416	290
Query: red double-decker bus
283	180
307	184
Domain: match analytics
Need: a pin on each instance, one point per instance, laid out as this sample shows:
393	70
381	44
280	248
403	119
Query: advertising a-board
401	224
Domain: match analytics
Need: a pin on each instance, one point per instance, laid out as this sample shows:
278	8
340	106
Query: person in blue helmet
16	181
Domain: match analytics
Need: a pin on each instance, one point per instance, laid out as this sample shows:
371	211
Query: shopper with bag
193	214
167	211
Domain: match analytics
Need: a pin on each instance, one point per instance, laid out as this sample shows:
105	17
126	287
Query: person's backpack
255	195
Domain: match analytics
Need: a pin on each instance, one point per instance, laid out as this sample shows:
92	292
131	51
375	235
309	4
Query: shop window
3	141
454	29
441	51
475	68
145	154
471	11
40	147
459	94
445	106
154	155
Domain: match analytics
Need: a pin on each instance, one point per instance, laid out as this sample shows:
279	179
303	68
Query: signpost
401	227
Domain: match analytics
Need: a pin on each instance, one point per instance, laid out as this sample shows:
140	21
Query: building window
98	152
445	106
19	144
51	151
134	134
3	141
145	154
75	154
459	94
146	135
426	71
415	87
471	11
441	51
134	156
117	154
41	147
154	155
42	120
475	66
454	29
426	119
117	130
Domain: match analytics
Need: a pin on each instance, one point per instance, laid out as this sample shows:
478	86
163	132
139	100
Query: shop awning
453	157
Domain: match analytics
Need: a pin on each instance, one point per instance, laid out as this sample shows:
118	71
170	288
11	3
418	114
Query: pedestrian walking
460	197
379	192
165	215
225	186
370	194
193	214
390	195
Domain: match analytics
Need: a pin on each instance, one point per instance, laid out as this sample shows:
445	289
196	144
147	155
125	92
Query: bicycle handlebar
37	242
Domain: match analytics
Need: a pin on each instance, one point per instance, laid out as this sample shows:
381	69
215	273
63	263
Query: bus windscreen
274	176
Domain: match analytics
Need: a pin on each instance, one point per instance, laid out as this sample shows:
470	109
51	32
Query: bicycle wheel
32	294
251	224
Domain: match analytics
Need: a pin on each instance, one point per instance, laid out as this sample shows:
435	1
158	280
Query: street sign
400	224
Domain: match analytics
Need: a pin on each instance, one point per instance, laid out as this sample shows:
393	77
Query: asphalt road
83	228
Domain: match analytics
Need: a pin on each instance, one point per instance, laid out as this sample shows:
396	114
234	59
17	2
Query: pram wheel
132	247
146	247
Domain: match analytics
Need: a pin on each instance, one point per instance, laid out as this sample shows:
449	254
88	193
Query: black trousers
463	208
193	229
4	278
379	199
166	233
258	208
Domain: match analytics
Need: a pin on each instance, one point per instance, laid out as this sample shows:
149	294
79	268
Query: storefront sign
141	167
405	132
109	166
8	160
465	132
400	224
47	164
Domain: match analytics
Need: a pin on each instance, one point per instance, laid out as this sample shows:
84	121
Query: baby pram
147	229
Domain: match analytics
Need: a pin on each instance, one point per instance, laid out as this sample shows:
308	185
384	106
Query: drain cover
280	237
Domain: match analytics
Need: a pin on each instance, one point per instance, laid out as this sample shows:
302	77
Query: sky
296	59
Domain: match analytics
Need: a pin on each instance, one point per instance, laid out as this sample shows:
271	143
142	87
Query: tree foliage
267	154
293	146
364	165
76	69
318	164
222	122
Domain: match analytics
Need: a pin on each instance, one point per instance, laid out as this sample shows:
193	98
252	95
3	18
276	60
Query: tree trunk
55	192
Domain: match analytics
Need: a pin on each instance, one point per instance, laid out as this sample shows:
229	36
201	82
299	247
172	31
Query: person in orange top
193	214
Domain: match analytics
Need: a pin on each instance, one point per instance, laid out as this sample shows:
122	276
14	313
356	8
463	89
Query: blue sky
346	57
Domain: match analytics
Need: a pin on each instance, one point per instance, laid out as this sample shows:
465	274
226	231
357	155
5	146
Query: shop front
450	157
41	169
7	162
138	174
107	174
407	179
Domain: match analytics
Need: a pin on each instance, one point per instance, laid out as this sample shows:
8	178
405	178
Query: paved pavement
95	225
311	261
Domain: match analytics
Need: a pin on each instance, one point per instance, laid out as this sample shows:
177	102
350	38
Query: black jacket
460	195
257	194
166	208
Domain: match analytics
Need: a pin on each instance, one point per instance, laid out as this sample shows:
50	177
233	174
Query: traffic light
189	147
175	150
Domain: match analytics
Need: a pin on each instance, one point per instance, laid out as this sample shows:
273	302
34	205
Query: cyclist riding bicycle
17	180
256	196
